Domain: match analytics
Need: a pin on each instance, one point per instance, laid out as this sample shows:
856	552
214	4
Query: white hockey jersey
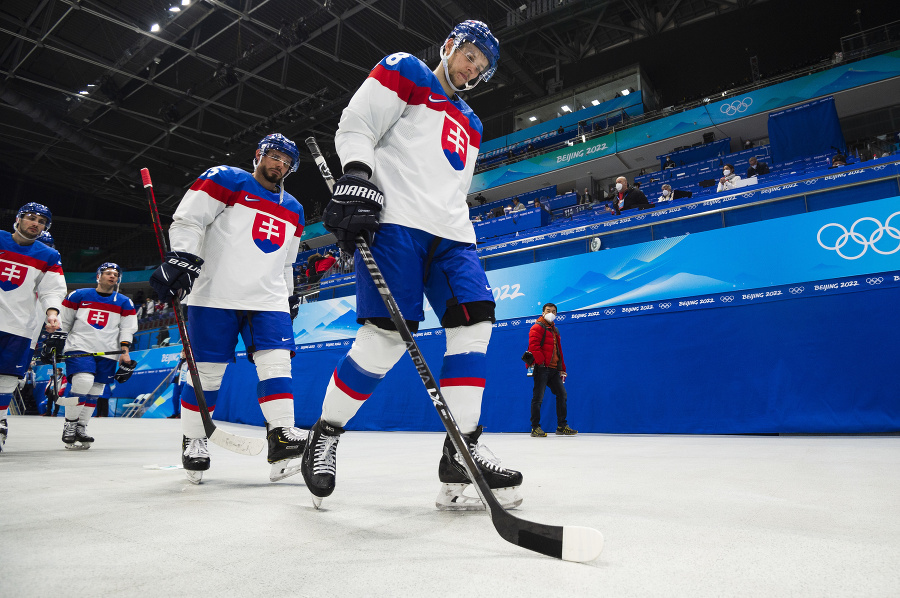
420	144
97	322
31	277
247	239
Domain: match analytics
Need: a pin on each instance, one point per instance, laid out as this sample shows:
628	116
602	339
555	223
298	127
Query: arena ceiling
91	91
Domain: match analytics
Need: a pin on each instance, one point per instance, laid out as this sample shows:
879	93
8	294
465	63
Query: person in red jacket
549	370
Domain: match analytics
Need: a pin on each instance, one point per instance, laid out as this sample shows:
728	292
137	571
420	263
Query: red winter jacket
544	354
326	262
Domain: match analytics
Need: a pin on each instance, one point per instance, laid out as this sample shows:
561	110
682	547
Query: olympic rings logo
796	290
665	305
439	331
609	312
859	238
516	322
726	298
736	106
874	281
560	318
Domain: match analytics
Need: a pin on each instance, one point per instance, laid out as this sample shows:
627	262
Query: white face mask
549	316
726	172
665	192
618	186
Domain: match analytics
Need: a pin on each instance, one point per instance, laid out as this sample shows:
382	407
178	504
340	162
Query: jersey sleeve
293	250
52	287
198	208
128	323
376	106
68	312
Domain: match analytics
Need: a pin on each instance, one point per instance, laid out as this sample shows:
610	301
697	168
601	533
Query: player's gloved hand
176	275
294	305
54	344
126	368
353	210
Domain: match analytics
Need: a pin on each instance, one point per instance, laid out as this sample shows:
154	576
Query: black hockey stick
570	543
100	354
238	444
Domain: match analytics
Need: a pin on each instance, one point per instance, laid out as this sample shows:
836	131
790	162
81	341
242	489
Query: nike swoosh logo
431	98
85	304
286	339
248	198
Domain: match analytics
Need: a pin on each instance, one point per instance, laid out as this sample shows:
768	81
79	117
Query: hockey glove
294	305
176	275
126	368
55	343
353	210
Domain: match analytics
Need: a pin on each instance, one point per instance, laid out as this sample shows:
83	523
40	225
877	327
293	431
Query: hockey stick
570	543
238	444
100	354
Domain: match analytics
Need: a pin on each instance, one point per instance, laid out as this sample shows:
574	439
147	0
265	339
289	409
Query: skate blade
194	477
451	497
317	501
78	447
284	469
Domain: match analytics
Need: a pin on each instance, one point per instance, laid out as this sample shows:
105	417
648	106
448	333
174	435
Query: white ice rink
685	516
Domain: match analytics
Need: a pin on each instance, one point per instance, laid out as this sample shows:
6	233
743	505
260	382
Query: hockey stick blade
570	543
239	444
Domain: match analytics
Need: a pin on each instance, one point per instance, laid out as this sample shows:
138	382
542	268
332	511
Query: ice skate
319	465
504	483
81	436
194	458
4	431
70	436
285	451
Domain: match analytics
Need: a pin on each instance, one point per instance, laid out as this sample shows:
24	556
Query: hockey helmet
35	208
109	266
480	35
279	142
46	239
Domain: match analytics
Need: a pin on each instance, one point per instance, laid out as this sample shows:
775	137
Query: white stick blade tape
238	444
581	544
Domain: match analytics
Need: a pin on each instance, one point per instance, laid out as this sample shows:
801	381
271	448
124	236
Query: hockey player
31	276
92	321
244	230
408	134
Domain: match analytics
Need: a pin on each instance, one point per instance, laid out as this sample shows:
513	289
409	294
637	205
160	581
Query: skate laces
325	455
196	449
485	457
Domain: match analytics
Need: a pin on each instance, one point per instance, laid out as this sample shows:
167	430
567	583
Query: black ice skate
70	436
504	483
319	465
194	458
82	437
285	451
4	431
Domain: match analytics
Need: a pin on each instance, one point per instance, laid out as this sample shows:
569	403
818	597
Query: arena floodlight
595	102
566	108
532	118
154	27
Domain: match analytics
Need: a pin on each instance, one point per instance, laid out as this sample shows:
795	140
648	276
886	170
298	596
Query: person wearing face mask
729	180
666	194
549	370
627	198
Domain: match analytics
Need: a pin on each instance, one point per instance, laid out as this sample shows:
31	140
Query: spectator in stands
627	198
149	307
480	199
545	346
838	160
586	198
757	168
666	194
729	179
325	263
670	163
560	130
518	206
539	204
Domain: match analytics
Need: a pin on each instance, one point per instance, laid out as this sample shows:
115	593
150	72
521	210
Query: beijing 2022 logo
858	238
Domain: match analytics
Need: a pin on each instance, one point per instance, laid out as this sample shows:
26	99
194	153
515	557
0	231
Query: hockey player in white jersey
32	287
92	321
408	144
237	235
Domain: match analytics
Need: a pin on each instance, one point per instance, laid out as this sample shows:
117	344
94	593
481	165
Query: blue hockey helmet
35	208
46	239
479	34
279	142
109	266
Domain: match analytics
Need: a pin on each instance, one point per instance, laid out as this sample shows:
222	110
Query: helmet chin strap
444	58
25	235
280	183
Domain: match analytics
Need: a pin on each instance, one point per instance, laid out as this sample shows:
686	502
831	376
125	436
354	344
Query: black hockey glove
353	210
176	275
55	343
294	305
126	368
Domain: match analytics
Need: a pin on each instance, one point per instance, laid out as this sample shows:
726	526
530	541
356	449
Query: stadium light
154	27
566	109
595	102
185	2
174	9
625	92
532	118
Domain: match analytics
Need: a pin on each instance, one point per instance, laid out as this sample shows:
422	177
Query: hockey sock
73	412
464	371
7	386
373	354
90	402
211	379
275	392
